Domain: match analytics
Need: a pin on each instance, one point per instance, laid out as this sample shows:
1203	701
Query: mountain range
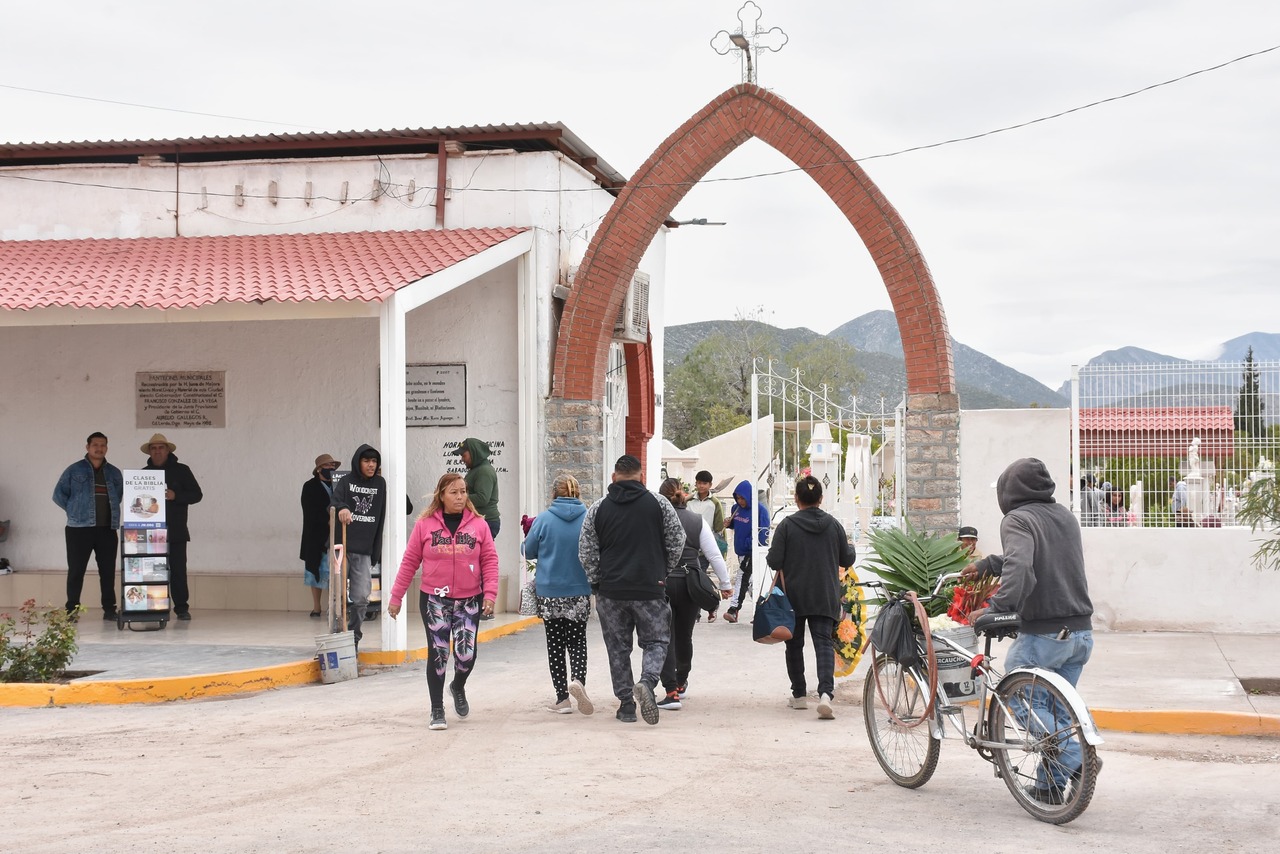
981	381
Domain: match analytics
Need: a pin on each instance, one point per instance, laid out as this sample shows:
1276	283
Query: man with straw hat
180	492
314	550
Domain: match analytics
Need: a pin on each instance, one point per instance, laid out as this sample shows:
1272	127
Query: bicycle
1033	726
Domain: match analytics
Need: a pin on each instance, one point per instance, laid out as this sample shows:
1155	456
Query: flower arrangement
907	559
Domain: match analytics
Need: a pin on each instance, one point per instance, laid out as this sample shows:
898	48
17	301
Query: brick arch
739	114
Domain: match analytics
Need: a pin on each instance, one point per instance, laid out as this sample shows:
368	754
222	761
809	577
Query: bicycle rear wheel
905	748
1044	760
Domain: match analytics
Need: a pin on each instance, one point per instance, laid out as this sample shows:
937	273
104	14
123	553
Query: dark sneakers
110	615
460	704
627	713
646	702
437	719
1052	797
670	701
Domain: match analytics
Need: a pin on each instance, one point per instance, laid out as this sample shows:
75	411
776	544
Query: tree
1260	508
1248	418
826	360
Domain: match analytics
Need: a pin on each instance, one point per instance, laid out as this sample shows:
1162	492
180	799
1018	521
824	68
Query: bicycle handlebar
942	582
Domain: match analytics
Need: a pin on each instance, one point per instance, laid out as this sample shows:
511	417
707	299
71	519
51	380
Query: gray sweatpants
649	620
359	583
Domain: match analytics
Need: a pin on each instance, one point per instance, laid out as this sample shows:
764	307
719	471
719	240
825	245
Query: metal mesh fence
1172	444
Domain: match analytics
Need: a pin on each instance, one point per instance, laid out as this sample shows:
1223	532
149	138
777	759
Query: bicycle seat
998	625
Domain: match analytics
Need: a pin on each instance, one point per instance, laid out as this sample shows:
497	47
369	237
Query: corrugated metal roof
186	272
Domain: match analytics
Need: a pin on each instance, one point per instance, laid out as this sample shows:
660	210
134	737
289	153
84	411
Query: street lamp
702	220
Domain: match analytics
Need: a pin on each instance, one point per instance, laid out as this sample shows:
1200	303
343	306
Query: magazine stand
144	579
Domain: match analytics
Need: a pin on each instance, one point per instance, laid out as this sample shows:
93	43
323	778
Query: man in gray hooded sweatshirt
1041	579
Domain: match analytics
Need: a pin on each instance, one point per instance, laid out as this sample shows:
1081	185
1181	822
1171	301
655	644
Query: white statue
1193	458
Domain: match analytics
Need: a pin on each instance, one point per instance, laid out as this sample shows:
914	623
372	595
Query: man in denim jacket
90	491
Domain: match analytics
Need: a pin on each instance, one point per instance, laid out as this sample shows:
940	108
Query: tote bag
774	620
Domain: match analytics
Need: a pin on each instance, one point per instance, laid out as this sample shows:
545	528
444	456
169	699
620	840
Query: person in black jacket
314	549
181	491
807	551
631	539
361	501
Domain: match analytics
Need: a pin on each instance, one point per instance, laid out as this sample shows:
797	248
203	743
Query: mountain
877	332
1201	379
1266	348
984	384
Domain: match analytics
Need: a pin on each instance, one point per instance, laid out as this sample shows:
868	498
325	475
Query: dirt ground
353	767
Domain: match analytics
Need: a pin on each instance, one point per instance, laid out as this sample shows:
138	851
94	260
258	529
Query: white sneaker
579	692
564	707
798	703
824	707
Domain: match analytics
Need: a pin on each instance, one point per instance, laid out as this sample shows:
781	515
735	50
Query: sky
1147	221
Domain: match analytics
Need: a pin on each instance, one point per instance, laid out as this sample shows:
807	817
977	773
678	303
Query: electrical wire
730	179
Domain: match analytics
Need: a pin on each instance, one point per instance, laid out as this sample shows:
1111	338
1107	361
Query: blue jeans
1066	658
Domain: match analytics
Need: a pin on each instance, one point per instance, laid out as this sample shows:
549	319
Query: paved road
353	767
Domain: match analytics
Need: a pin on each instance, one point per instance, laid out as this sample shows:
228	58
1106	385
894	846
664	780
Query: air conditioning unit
633	320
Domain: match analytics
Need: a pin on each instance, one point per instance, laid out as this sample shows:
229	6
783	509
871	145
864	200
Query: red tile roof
1157	431
185	272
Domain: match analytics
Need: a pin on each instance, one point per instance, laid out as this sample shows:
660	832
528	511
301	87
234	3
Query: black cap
968	531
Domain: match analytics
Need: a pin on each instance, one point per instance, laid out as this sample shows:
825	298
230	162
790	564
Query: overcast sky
1151	221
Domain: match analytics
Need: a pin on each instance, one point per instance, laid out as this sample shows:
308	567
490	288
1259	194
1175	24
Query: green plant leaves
906	559
28	655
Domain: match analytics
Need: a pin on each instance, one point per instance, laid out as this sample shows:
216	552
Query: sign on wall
435	396
181	399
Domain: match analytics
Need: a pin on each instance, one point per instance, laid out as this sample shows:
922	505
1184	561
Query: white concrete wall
1158	579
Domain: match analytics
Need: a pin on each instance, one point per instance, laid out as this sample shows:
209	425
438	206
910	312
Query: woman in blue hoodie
740	522
564	595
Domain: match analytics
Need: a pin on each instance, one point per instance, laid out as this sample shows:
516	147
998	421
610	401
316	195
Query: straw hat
156	439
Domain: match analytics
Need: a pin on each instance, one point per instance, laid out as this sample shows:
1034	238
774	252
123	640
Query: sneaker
711	616
437	719
486	617
564	707
460	704
683	689
579	692
647	702
110	615
800	703
824	707
1052	797
731	616
627	713
670	702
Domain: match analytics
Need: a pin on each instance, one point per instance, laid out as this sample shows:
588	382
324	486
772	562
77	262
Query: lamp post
749	38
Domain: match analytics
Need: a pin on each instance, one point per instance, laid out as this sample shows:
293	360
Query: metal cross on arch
749	39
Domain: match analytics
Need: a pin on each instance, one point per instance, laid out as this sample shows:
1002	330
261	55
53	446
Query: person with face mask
314	551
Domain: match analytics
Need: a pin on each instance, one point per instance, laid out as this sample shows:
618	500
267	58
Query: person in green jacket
482	481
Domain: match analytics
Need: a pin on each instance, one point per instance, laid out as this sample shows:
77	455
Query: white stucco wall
1166	579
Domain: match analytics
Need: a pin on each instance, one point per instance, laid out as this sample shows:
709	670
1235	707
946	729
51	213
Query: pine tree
1248	418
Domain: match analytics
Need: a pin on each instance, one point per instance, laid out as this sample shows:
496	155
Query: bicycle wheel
905	749
1043	758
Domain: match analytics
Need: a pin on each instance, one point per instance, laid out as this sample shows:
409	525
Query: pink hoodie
456	566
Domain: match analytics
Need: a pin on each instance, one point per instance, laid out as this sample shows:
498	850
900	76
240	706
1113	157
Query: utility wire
730	179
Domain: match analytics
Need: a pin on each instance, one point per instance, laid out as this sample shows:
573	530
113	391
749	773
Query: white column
395	452
532	484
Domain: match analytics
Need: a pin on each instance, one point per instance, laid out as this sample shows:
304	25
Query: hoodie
553	542
455	565
482	479
739	520
630	540
1042	569
366	498
809	548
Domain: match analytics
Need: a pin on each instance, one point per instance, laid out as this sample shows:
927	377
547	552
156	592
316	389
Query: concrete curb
168	689
1187	722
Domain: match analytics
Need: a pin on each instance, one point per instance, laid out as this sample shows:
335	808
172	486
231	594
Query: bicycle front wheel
1042	755
896	725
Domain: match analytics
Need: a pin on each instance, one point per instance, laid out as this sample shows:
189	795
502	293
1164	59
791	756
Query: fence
1172	444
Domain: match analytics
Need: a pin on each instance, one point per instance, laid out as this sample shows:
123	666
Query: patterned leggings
566	636
446	619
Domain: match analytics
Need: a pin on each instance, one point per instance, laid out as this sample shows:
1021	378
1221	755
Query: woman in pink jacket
459	583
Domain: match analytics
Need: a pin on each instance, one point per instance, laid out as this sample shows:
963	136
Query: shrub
29	653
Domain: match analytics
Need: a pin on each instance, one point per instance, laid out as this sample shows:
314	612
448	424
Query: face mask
326	474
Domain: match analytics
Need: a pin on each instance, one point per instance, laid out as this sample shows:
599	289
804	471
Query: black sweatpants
684	614
566	636
102	543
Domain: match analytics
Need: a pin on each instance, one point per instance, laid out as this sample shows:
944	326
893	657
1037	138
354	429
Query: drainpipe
442	172
177	193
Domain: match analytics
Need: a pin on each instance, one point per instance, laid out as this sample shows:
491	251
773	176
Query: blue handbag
775	619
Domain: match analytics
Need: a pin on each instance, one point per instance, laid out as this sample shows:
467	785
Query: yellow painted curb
167	689
1187	722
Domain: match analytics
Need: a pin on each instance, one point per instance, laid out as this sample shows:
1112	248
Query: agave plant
906	559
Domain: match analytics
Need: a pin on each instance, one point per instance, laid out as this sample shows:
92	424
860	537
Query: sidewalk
1166	682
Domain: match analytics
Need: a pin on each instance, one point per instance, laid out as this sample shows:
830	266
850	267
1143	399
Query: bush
31	654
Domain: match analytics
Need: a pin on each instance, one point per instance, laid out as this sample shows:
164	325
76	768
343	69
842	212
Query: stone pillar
575	444
932	488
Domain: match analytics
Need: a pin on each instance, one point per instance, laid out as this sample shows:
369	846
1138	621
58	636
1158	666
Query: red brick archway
651	195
